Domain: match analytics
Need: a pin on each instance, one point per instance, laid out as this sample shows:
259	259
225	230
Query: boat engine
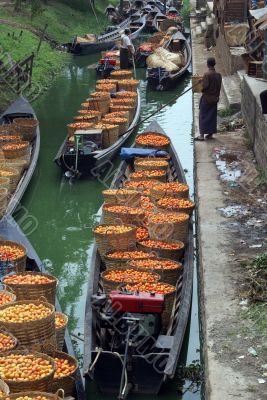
105	66
140	310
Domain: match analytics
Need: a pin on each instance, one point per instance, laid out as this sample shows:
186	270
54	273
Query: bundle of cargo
119	114
168	226
128	215
130	85
170	189
122	108
150	164
176	204
158	174
123	101
173	249
128	95
65	373
153	139
106	87
163	58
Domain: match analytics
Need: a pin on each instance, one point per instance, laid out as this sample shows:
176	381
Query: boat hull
83	49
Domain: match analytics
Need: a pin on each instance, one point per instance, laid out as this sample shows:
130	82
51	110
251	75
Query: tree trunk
17	6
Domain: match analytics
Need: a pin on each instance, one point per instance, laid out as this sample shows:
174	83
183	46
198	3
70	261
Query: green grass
63	21
226	112
47	63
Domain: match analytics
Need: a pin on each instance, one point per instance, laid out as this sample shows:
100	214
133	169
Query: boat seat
164	342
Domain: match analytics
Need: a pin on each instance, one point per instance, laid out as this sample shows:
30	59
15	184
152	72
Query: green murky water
66	213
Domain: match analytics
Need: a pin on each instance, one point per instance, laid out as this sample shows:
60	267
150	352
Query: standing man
126	50
211	83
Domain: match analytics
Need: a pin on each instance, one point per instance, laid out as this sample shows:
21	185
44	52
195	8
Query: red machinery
140	302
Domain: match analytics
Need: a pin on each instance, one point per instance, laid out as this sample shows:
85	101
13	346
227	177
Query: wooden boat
83	46
93	161
102	359
158	18
9	230
21	108
159	78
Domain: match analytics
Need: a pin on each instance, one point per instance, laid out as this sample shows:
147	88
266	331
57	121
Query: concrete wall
256	121
230	56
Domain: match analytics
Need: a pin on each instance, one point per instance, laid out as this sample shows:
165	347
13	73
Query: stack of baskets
160	209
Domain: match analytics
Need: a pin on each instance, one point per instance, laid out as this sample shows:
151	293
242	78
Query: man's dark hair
211	62
127	31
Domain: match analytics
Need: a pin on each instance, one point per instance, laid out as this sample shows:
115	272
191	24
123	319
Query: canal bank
231	230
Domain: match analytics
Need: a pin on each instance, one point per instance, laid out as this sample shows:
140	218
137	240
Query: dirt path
35	31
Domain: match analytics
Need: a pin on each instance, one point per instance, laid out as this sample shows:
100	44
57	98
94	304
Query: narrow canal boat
91	159
152	356
21	108
10	230
90	44
161	79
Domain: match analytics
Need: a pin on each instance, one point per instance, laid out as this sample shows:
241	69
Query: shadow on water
66	213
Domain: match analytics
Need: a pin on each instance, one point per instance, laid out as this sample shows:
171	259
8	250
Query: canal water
65	213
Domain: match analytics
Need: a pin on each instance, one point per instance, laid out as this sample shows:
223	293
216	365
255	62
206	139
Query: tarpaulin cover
130	152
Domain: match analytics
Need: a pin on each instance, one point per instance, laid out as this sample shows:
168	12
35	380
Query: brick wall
256	122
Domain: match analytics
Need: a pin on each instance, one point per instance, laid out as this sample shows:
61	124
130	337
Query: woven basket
17	265
90	112
42	384
141	186
152	144
93	119
26	127
112	217
109	285
110	87
73	127
100	96
116	108
60	332
128	95
35	291
33	394
121	122
110	134
141	166
158	193
6	290
103	81
96	105
166	275
8	129
15	343
172	254
124	101
115	241
67	383
15	153
112	262
19	163
119	114
13	175
4	183
37	335
4	389
3	197
120	196
129	85
121	74
145	176
176	230
6	138
186	210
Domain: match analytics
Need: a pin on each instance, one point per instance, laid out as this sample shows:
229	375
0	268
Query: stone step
231	89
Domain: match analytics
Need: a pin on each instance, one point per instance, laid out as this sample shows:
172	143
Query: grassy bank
64	23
